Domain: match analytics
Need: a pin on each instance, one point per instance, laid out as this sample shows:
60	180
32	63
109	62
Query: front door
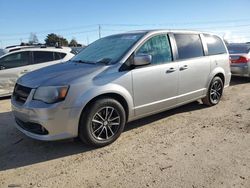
155	86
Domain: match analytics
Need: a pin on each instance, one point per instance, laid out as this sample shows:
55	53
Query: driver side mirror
142	59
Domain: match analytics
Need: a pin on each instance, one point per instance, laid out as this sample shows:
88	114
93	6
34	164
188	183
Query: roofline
155	31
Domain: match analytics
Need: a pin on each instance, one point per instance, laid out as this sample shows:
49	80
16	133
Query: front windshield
108	49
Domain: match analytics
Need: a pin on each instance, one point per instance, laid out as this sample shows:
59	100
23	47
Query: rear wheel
102	122
215	92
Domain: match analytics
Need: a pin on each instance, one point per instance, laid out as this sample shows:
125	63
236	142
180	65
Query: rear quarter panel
220	64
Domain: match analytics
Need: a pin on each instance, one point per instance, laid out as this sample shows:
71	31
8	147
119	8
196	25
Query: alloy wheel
105	123
216	92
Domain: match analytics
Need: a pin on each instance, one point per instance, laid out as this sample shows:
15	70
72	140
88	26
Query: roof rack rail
11	46
27	45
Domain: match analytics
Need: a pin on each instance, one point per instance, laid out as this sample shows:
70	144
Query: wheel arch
112	95
217	72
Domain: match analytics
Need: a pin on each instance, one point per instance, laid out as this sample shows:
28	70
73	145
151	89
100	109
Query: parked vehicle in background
21	61
240	59
118	79
2	52
76	50
18	47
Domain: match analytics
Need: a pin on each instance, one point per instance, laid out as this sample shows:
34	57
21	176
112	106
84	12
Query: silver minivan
118	79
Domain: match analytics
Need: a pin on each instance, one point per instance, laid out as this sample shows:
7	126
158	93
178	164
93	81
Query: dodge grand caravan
118	79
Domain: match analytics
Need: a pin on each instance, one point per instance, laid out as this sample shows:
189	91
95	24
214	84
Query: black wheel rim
216	92
105	123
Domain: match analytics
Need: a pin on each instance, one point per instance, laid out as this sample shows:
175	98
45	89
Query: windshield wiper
82	61
104	61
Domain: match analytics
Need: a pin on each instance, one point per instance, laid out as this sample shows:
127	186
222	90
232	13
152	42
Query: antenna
99	28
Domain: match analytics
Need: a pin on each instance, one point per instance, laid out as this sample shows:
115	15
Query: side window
15	60
214	45
42	56
159	48
59	55
189	46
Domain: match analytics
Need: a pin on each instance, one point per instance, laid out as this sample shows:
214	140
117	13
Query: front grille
32	127
21	93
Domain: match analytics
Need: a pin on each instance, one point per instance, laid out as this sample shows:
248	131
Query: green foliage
53	40
73	43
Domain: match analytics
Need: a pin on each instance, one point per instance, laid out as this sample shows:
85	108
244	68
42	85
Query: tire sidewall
86	121
210	87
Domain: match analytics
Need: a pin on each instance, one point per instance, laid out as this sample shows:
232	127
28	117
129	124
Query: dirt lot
191	146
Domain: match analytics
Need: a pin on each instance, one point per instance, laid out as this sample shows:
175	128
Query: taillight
239	59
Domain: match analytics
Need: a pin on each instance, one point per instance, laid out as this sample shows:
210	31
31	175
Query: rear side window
159	48
59	55
215	45
189	46
14	60
42	56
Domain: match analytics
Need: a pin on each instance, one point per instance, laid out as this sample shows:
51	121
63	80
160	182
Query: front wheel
214	93
102	122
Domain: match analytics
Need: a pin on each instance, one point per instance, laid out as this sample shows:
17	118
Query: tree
33	38
73	43
52	40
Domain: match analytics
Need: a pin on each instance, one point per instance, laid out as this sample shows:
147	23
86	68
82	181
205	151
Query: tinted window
59	55
214	45
41	57
238	49
14	60
188	45
159	48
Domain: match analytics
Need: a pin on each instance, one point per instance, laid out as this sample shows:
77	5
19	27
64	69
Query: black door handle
184	68
171	70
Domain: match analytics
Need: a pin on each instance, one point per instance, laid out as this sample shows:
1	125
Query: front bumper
240	69
46	121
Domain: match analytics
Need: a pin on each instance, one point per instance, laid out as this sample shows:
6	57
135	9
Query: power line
132	25
234	27
50	30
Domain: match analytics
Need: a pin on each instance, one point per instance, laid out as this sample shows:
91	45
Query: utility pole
99	28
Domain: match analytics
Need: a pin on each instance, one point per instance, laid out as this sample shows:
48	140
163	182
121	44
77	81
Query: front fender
94	92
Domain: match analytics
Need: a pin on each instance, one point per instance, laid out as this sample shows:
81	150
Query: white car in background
2	52
19	62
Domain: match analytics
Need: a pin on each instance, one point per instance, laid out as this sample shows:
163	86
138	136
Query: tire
214	92
102	122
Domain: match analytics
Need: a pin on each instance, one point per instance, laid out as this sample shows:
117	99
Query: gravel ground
191	146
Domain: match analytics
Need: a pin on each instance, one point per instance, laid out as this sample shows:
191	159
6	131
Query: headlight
51	94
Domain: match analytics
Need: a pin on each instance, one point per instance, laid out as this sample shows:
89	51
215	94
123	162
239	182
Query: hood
59	74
